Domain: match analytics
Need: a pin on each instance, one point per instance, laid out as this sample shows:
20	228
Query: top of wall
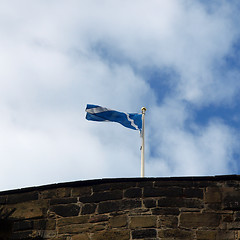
123	180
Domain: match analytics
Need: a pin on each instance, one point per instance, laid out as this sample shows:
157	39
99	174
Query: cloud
56	57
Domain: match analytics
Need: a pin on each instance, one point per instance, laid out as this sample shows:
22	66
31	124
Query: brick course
116	209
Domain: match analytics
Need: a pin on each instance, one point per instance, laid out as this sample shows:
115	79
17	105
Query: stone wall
203	208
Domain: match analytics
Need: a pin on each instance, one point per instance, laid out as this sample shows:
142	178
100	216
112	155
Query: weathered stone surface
72	220
130	204
28	210
102	196
133	193
55	193
175	234
231	203
180	202
81	191
165	211
167	222
46	234
168	210
206	235
82	236
195	220
144	233
22	225
118	221
193	193
113	186
226	235
56	201
47	224
160	192
149	203
30	234
122	185
23	197
112	235
88	208
174	183
101	187
143	222
75	228
145	184
99	227
109	206
66	210
213	195
98	218
3	199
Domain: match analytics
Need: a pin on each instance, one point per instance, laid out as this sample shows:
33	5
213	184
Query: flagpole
142	147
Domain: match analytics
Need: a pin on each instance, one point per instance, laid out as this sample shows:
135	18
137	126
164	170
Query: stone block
55	193
143	222
98	218
144	233
112	235
145	184
213	195
28	210
167	221
30	234
72	220
206	234
113	186
75	228
226	235
22	225
101	187
81	191
237	216
88	208
99	227
130	204
149	203
180	202
122	185
196	220
82	236
47	224
193	193
3	199
118	221
109	206
231	203
133	193
22	197
163	192
46	234
175	234
165	211
56	201
65	210
97	197
174	183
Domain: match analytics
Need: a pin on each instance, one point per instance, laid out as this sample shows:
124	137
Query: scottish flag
101	114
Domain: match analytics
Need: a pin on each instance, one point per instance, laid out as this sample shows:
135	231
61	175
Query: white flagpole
142	147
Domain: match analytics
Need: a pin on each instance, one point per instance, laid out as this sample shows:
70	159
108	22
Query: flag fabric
101	114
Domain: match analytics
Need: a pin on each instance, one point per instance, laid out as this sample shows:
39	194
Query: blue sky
178	58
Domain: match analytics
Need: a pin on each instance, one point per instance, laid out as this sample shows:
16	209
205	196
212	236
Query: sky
178	58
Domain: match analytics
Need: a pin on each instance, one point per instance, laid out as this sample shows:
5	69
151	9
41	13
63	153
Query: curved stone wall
135	208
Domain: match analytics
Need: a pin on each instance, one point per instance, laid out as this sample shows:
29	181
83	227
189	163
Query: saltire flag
102	114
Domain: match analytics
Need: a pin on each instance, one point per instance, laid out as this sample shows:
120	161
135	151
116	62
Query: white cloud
51	69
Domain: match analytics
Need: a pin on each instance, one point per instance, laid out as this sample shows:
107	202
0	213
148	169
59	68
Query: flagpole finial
144	109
